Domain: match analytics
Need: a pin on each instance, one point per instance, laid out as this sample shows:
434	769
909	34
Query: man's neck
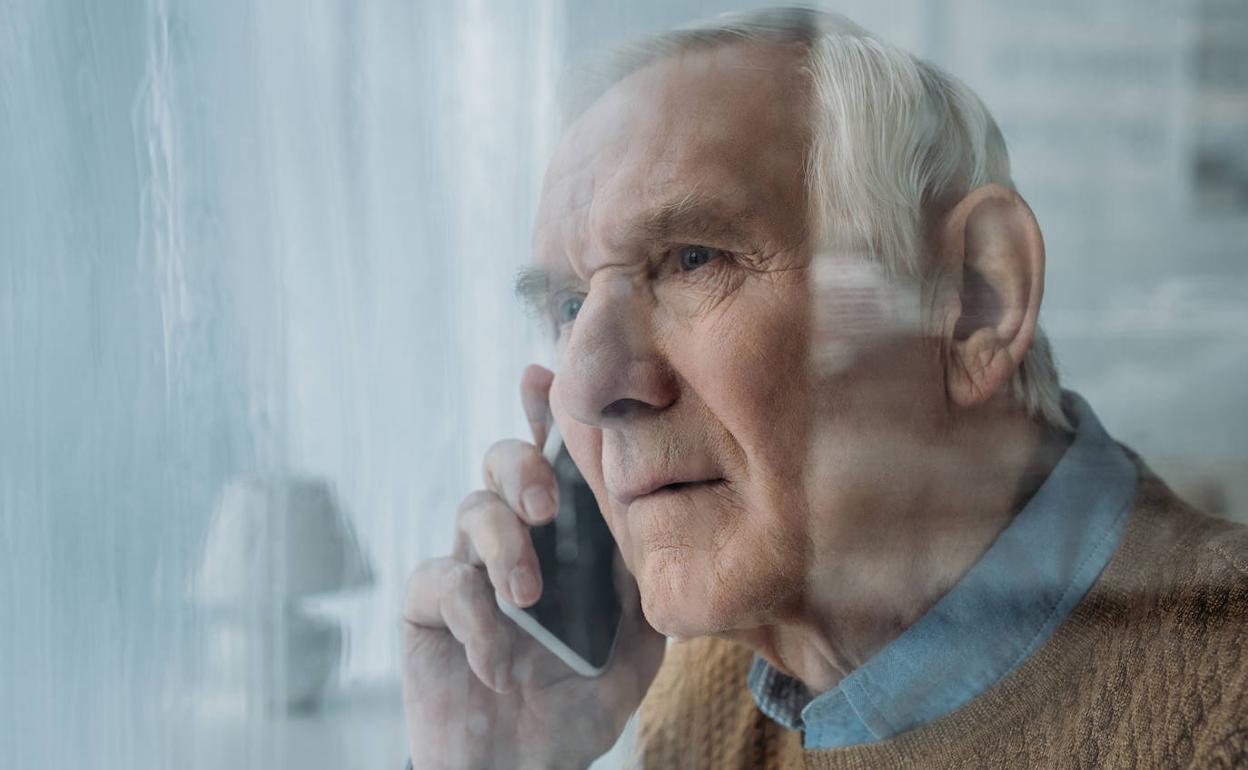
938	525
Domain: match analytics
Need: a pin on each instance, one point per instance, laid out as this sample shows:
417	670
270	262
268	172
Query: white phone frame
554	443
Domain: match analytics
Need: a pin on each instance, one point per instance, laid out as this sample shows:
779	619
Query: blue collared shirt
1001	611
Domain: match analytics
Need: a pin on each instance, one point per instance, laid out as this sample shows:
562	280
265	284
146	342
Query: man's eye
568	307
693	257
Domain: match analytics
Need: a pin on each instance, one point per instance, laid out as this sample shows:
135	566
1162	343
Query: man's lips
664	486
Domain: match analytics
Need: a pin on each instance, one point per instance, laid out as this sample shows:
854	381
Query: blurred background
255	308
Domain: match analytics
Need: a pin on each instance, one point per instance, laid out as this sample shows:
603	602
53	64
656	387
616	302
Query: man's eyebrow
532	287
535	286
692	216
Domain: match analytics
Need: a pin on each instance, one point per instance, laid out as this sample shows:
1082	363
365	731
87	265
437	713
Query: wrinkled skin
675	374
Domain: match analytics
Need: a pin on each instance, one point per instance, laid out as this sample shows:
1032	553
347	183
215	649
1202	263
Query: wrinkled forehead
725	122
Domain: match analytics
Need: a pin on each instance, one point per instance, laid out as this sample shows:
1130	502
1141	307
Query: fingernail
538	504
524	586
502	677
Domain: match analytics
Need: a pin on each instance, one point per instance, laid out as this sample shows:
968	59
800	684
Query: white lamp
272	543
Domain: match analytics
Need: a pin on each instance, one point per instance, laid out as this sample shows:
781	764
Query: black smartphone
578	615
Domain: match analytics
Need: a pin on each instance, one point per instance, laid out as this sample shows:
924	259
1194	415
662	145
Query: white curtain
242	238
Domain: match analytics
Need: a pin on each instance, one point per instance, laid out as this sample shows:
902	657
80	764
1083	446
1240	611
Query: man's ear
993	255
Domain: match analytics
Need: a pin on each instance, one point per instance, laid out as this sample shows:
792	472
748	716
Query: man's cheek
618	524
586	452
763	345
857	307
584	443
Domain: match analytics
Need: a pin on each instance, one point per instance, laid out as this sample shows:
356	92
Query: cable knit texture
1149	671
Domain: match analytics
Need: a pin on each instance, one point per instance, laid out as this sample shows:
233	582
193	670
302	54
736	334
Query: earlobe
994	254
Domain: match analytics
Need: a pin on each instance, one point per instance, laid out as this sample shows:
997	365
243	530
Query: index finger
535	395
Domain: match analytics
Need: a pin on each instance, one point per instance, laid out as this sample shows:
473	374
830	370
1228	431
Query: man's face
673	227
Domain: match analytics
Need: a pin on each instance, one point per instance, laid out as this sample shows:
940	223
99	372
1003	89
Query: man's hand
478	691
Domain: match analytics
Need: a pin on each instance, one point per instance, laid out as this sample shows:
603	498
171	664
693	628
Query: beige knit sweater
1149	671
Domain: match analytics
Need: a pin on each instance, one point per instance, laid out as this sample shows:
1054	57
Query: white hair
895	142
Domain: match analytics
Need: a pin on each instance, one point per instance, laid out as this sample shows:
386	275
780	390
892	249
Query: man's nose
612	369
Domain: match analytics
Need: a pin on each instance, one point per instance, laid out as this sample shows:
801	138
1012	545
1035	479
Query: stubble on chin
745	584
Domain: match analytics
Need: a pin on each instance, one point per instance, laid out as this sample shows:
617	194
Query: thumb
535	394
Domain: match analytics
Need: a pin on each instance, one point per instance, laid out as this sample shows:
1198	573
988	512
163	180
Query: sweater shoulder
1228	542
1176	602
1204	660
1195	553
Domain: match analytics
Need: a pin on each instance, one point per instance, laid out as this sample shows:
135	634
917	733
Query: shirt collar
1005	607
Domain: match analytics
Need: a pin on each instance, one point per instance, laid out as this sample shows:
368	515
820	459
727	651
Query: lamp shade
277	539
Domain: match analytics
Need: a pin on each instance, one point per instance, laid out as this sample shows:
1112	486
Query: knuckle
463	580
472	616
506	447
533	466
418	643
422	576
475	501
500	455
491	545
492	528
512	463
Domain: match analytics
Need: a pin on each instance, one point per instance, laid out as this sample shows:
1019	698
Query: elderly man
794	300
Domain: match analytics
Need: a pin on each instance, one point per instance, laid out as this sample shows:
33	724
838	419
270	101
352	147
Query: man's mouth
671	488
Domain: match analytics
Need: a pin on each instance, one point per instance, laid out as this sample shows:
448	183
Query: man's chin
680	605
673	621
685	595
